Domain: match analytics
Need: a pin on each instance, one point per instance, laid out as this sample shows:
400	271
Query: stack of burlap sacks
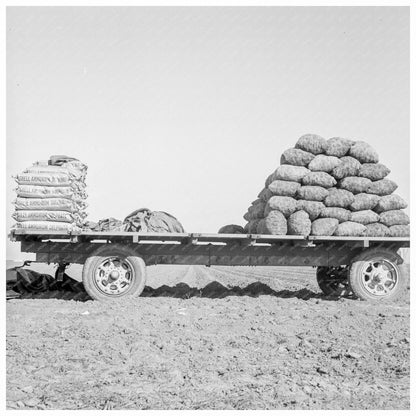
329	187
51	196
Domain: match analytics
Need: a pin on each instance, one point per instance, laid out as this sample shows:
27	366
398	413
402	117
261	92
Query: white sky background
187	110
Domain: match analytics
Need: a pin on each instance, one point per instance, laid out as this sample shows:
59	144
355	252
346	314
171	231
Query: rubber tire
111	250
356	271
321	278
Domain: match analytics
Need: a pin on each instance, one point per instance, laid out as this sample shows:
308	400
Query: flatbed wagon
114	263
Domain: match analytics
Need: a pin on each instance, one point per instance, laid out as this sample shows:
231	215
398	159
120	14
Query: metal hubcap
379	277
114	276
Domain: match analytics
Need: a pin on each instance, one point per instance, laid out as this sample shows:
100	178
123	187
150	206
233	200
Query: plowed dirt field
208	338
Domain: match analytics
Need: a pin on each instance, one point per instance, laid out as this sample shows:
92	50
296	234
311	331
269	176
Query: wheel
333	281
378	274
112	272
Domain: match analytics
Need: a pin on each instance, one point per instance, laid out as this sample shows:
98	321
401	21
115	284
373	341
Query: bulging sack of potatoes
363	152
231	229
350	228
312	143
339	198
296	157
275	223
373	171
364	217
324	226
285	204
382	187
355	184
376	229
251	226
400	231
299	224
339	147
290	173
394	217
341	214
364	201
312	193
312	208
255	211
284	188
348	167
265	194
319	179
390	202
324	163
269	179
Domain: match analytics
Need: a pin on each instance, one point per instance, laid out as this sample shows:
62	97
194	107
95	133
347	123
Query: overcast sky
187	110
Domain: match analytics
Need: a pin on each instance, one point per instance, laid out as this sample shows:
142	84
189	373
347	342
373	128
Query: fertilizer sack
56	216
49	204
47	226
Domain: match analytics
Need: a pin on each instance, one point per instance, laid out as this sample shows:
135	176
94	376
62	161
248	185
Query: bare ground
218	338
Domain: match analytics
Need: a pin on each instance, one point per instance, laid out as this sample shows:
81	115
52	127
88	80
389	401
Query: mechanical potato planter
369	268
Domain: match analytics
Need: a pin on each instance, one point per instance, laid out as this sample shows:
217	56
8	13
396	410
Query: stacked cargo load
51	196
329	187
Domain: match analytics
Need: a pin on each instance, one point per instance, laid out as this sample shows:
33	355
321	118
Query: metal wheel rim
114	276
379	277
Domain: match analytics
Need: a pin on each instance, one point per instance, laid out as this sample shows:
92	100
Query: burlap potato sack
319	179
312	208
349	228
363	152
376	229
312	193
285	204
339	198
265	194
275	223
337	146
373	171
312	143
284	188
269	180
364	201
299	224
341	214
290	173
394	217
231	229
296	157
324	226
255	211
390	202
400	231
348	167
382	187
355	184
324	163
364	217
251	226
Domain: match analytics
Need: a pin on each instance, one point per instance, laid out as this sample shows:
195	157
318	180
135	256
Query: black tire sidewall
137	263
356	270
